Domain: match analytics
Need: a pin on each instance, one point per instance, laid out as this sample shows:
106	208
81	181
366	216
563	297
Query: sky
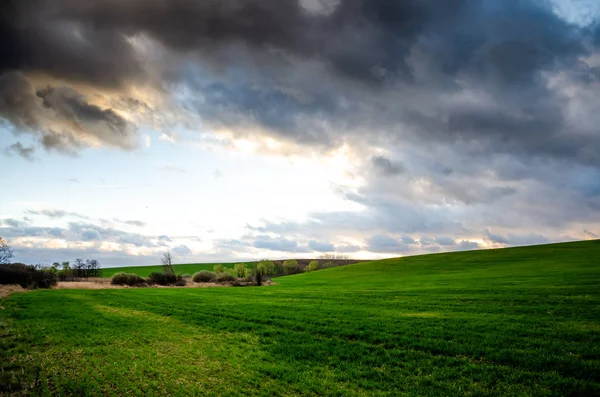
251	129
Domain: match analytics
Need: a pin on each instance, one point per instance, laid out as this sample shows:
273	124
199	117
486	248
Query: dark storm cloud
40	36
60	117
373	50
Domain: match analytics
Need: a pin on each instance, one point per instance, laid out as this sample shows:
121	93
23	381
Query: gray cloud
383	243
277	244
529	239
386	167
182	250
56	214
131	222
348	248
445	241
91	235
467	245
321	246
400	53
20	150
12	222
60	117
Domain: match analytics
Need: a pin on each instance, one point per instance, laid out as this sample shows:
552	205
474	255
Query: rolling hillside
520	321
144	271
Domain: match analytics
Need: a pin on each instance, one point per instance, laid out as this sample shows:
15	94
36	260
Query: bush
130	279
187	275
218	268
204	276
328	265
180	281
278	268
291	267
241	271
313	265
225	277
26	276
162	278
265	267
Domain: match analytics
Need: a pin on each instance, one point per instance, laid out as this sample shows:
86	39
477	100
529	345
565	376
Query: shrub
180	281
187	275
313	265
218	268
225	277
130	279
265	267
162	278
241	271
26	276
204	276
278	268
328	265
291	266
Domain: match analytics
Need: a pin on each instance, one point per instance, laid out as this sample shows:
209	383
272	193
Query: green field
521	321
144	271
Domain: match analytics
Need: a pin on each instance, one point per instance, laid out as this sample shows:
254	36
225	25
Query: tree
92	268
241	271
78	267
167	263
313	265
6	253
291	266
66	272
218	268
265	267
278	267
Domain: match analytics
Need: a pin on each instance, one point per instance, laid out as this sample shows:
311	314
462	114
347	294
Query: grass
144	271
522	322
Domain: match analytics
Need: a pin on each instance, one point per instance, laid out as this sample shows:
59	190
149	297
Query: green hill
520	321
144	271
541	266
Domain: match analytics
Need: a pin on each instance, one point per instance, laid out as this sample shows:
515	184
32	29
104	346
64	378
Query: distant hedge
26	276
225	277
130	279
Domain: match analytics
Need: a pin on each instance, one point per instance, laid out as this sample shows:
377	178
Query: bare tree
338	259
6	254
167	263
78	268
92	267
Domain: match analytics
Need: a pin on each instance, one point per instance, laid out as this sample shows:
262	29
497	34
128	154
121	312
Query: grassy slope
523	321
144	271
